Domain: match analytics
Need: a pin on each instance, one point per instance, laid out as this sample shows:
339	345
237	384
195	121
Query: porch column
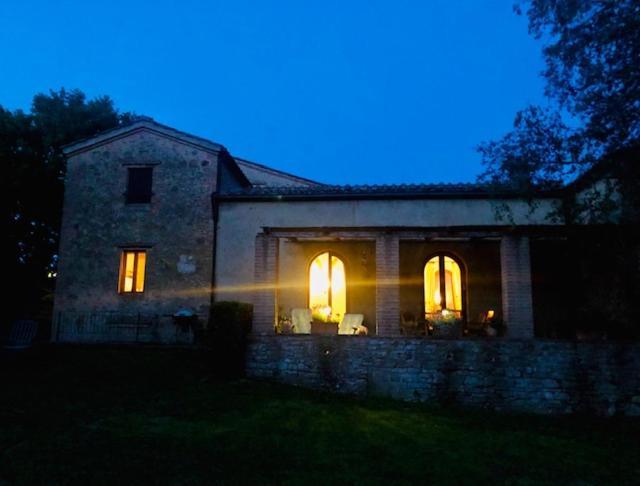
266	279
517	304
387	285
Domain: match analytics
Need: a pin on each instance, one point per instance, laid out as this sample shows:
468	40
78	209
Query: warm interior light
328	285
129	264
432	295
490	314
132	271
319	282
338	288
142	260
453	284
452	300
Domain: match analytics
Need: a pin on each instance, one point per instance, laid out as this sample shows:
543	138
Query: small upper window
139	185
132	271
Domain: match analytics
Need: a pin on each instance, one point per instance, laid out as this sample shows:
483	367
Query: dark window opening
139	185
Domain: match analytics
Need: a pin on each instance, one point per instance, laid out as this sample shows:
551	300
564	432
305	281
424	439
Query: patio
390	283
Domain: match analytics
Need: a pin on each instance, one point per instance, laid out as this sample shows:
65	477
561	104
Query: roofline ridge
139	122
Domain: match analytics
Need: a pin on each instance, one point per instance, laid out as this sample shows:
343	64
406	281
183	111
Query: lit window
132	269
139	185
442	286
328	286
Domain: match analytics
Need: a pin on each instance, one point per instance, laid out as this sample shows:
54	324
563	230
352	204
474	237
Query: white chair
301	321
350	323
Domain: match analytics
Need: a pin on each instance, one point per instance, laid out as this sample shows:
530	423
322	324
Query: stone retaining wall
549	377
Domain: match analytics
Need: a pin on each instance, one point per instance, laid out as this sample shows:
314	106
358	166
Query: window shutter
139	185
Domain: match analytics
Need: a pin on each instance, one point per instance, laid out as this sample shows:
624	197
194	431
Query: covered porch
393	282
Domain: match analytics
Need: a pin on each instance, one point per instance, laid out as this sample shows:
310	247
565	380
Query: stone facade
548	377
175	228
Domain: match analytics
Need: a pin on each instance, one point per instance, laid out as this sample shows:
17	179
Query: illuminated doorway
328	286
443	287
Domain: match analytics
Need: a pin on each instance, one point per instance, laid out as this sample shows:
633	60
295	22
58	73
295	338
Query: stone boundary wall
548	377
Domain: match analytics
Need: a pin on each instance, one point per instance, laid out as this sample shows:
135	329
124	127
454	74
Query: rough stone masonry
547	377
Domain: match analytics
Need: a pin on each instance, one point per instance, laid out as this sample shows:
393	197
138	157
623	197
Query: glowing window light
451	283
132	271
140	267
328	285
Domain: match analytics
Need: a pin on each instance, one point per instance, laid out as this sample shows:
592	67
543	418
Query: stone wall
176	227
550	377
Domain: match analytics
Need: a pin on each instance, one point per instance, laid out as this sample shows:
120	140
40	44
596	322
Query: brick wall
266	279
387	285
549	377
517	303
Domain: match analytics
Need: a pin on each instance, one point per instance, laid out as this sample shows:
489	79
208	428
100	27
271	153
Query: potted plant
284	325
445	324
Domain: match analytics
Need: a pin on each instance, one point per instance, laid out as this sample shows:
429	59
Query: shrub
229	325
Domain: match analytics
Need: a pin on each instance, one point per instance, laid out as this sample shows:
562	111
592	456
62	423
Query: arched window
442	286
328	286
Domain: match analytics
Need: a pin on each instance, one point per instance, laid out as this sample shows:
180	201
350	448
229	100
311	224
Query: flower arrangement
445	323
323	314
284	325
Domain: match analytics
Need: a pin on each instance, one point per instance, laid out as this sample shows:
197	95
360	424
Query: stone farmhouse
158	224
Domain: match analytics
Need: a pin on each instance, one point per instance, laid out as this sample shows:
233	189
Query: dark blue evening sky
342	92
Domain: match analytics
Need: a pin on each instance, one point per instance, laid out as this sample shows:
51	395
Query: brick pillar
266	279
387	285
517	304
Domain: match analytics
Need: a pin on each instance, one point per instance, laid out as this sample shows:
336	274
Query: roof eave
277	172
378	196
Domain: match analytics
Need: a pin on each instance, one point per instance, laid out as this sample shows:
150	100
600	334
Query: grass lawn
101	416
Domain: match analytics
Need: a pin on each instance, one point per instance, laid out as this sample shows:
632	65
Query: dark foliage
229	326
540	152
31	152
592	54
586	284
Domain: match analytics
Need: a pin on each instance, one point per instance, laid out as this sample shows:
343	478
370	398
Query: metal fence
115	327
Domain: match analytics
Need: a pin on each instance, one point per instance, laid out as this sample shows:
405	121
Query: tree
592	54
31	152
540	152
